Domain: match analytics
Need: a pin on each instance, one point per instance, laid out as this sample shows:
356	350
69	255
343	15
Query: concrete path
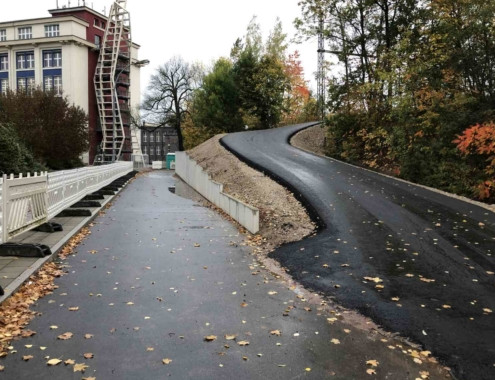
416	261
157	275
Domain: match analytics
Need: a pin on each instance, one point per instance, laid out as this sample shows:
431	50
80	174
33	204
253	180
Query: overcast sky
198	30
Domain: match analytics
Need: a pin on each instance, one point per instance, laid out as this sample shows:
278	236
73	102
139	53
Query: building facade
156	142
60	53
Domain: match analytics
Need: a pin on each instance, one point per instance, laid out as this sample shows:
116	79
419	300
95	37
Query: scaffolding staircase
112	83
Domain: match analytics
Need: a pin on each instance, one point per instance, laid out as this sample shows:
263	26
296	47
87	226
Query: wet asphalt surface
430	258
159	273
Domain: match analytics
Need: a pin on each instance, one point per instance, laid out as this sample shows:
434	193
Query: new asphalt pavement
416	261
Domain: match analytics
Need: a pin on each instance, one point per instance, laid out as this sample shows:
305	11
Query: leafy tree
14	156
53	130
168	93
216	104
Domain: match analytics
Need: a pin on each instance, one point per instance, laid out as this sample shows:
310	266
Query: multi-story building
61	53
156	142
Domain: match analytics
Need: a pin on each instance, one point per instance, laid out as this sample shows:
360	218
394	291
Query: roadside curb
13	287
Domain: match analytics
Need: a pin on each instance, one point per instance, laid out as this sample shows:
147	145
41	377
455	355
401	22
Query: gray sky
198	30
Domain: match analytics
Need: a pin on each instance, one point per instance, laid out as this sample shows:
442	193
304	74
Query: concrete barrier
194	175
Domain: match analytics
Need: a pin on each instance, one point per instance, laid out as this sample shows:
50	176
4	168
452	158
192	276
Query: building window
25	60
152	137
158	137
4	86
3	35
26	84
152	150
158	150
4	62
145	137
97	22
25	33
53	83
52	58
145	150
52	31
97	41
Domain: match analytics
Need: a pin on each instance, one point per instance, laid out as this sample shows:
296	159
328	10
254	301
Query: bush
14	156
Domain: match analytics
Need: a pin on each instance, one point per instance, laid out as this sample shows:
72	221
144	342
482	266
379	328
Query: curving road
429	259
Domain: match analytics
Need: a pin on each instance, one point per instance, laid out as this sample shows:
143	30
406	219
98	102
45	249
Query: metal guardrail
27	202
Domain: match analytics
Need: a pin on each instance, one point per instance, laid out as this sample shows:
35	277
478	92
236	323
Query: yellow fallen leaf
2	368
166	361
244	304
488	311
65	336
417	361
28	345
371	371
197	245
335	341
373	279
331	320
88	336
395	299
373	363
210	338
243	343
42	348
130	303
272	292
81	367
447	306
75	308
54	362
69	362
88	355
275	332
150	349
27	357
230	337
89	378
307	369
53	327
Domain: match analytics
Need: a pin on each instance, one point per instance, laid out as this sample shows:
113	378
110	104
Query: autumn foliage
479	140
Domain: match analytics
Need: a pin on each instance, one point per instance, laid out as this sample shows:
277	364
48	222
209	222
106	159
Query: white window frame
152	137
52	30
158	150
25	32
145	137
4	62
3	35
25	60
4	86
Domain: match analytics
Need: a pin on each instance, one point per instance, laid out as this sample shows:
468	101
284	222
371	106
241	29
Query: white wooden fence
27	202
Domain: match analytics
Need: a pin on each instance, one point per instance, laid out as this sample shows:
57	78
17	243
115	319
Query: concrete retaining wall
198	179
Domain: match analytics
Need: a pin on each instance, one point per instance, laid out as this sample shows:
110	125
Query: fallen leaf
244	304
243	343
54	362
89	355
275	332
373	279
417	361
210	338
28	346
447	306
149	349
230	337
335	341
2	368
488	311
347	331
27	357
166	361
197	245
272	292
373	363
88	336
130	303
74	308
81	367
65	336
53	327
89	378
371	371
69	362
245	358
307	369
395	299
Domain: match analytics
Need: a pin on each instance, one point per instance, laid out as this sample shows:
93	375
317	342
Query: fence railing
27	202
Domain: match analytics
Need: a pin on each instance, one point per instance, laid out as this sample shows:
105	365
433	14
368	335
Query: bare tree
168	93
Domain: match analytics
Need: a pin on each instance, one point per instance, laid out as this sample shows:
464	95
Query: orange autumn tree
298	97
479	140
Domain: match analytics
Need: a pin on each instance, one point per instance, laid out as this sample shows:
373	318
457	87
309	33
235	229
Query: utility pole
321	74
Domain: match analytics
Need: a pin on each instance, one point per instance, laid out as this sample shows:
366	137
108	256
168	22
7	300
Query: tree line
412	87
259	85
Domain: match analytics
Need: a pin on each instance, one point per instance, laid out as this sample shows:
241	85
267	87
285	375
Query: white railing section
27	202
199	180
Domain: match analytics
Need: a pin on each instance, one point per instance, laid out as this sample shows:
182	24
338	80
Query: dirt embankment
282	218
312	139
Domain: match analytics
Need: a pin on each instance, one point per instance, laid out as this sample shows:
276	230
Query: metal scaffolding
112	81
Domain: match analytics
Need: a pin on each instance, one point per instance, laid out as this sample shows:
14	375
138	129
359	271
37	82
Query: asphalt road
415	261
156	276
